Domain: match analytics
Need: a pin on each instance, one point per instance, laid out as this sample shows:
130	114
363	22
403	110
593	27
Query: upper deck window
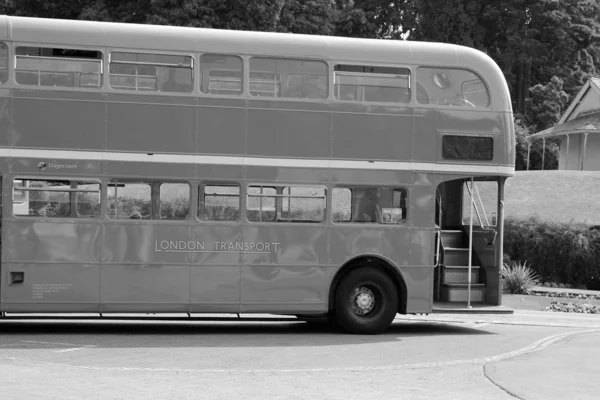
151	72
221	74
288	78
454	87
46	66
3	62
372	84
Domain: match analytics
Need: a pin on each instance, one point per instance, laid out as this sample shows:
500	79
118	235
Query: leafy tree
385	19
546	104
448	21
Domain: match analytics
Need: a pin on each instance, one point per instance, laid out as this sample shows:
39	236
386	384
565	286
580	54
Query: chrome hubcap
362	300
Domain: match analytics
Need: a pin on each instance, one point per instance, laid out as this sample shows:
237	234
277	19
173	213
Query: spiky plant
517	278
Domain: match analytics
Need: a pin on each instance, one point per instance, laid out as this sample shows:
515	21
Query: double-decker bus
154	169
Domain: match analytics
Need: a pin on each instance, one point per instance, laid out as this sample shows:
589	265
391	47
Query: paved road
429	357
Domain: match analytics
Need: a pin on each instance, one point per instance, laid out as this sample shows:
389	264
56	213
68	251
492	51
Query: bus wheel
366	301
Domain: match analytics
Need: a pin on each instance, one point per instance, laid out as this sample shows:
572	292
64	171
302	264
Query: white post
528	151
543	152
470	248
567	155
584	146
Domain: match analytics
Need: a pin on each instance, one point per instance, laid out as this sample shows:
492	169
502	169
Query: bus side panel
425	135
480	123
372	133
285	132
221	126
290	277
58	120
398	244
216	271
136	277
5	118
59	265
156	124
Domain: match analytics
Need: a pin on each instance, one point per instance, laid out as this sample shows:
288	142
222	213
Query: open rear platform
461	308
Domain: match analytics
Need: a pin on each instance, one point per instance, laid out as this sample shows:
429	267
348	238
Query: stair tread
464	285
460	266
451	231
456	248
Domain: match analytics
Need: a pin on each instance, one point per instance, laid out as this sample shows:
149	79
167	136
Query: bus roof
193	40
184	39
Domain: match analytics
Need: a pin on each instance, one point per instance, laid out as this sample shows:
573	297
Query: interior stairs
454	269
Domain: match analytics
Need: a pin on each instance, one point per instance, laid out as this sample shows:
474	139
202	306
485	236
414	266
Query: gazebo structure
578	130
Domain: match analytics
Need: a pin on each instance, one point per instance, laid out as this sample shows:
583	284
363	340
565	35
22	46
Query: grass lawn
538	303
560	196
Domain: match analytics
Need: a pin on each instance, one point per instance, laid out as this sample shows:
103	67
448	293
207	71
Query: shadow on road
150	334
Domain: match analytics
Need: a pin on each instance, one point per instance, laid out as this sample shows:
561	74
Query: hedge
566	253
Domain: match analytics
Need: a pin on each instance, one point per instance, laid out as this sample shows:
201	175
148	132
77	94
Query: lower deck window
56	198
369	205
286	203
221	202
148	200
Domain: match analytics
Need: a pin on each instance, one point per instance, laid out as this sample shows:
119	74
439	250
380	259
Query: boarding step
452	238
459	292
456	256
460	274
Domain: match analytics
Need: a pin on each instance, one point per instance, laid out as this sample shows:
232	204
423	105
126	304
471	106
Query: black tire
366	302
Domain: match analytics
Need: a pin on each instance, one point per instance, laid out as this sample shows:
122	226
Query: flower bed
556	306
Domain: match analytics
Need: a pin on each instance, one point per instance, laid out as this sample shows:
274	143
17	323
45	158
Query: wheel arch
373	261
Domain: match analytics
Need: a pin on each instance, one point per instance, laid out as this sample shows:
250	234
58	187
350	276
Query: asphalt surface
526	355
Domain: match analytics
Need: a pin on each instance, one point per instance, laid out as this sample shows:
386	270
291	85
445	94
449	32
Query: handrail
487	221
54	189
476	209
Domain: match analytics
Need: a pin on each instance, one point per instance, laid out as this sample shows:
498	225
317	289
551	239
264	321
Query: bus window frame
283	83
13	67
199	76
378	224
201	205
411	81
72	202
195	92
9	66
489	107
278	199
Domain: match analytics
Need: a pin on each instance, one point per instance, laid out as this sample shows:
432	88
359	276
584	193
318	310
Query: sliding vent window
51	198
452	87
286	204
221	74
372	84
45	66
3	62
151	72
288	78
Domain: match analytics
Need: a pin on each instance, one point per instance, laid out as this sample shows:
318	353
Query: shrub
517	278
557	252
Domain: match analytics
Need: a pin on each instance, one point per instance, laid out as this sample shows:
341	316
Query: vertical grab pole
470	248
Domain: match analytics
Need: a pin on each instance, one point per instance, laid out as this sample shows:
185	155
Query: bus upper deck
166	90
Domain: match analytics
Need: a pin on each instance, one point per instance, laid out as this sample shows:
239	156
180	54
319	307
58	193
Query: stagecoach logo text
190	246
42	166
